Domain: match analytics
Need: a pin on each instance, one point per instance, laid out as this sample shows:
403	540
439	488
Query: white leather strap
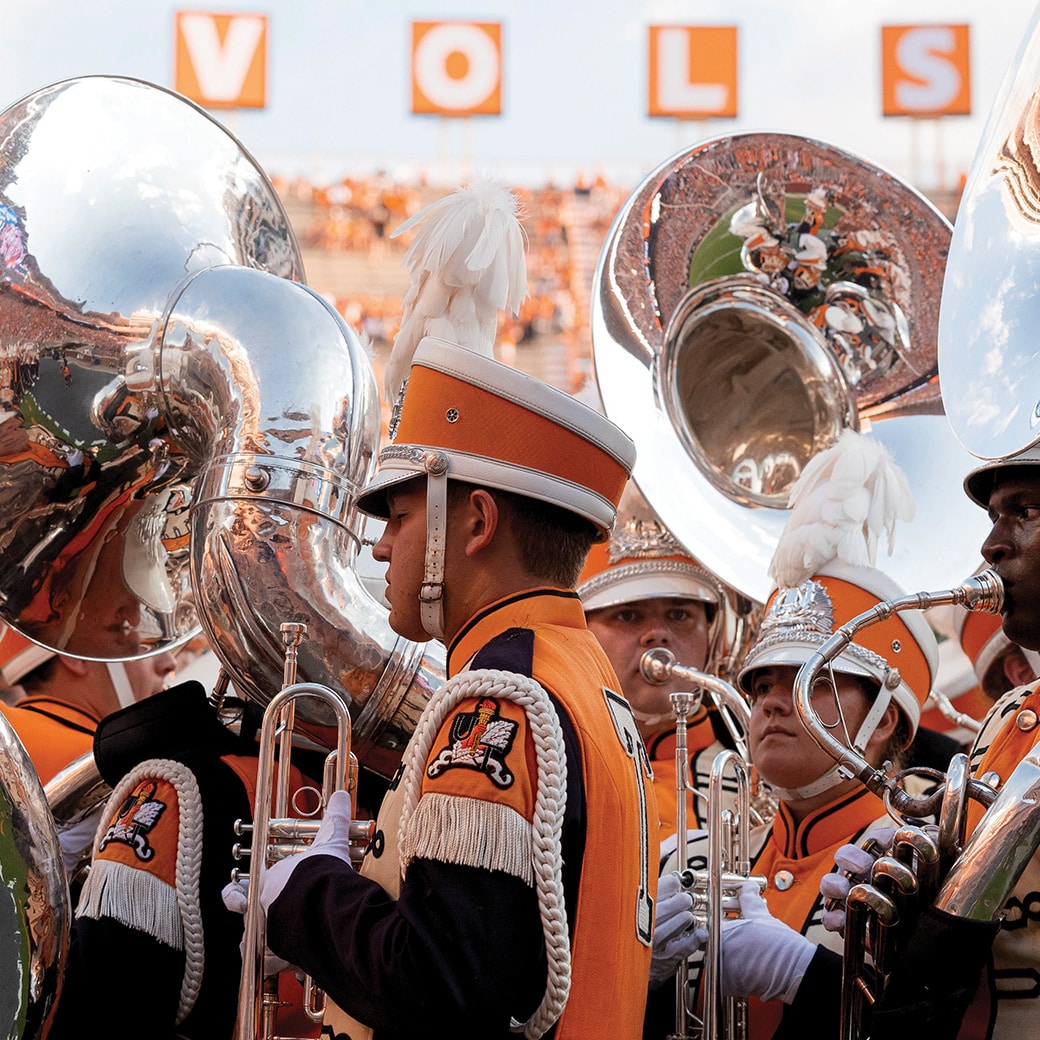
431	595
835	775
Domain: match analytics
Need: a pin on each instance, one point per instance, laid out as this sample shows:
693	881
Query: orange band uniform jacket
1009	733
471	838
793	857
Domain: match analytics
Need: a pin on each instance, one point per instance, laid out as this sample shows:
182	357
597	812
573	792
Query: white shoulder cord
188	865
550	803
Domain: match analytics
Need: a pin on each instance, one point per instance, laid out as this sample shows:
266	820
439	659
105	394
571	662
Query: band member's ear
73	664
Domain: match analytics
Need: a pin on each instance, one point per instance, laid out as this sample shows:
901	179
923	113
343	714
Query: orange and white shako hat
19	656
458	413
900	653
474	419
824	576
982	638
642	559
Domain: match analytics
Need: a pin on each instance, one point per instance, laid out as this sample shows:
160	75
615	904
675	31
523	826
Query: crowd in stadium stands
358	214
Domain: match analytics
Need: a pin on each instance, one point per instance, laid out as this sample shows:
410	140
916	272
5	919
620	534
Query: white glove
761	956
236	898
853	866
674	941
332	839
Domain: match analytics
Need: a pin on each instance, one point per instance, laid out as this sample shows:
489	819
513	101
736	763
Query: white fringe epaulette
844	499
446	828
466	263
171	914
471	833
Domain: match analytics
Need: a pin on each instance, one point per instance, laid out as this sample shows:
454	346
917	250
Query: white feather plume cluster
466	263
844	500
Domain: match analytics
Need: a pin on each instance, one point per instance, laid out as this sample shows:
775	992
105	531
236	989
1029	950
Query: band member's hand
761	956
675	938
236	898
332	839
852	866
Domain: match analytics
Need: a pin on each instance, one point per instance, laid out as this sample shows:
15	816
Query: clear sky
575	80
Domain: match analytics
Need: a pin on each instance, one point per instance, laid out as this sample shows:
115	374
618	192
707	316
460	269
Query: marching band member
485	907
152	907
779	952
64	698
1004	1003
640	590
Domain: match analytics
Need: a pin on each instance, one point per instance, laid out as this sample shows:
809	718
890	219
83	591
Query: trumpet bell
988	350
756	295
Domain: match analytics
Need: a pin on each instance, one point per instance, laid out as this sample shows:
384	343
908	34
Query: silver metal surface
989	354
273	402
76	797
757	294
112	191
34	900
198	464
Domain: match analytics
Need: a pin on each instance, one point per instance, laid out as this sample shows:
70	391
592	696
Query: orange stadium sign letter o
220	60
456	68
926	70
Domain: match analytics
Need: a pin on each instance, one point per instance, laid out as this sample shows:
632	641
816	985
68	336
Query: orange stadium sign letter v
220	60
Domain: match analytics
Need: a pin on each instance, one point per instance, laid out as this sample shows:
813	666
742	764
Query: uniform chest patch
481	740
136	816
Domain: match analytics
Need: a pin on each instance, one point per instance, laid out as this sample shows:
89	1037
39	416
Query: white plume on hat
842	501
466	264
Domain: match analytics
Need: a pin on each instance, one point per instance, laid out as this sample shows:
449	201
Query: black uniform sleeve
460	945
938	975
138	981
117	974
816	1008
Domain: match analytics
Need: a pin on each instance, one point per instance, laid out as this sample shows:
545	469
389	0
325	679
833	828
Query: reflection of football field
66	409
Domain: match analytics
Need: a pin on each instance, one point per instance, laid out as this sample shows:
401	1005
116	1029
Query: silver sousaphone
183	422
757	294
112	191
989	352
183	428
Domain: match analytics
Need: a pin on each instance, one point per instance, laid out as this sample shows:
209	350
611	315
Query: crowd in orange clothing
358	214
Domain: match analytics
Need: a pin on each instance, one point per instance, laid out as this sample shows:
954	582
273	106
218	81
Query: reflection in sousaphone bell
112	191
756	295
34	901
988	348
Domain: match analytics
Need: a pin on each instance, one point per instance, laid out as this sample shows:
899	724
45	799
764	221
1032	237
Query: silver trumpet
715	897
934	867
276	834
715	889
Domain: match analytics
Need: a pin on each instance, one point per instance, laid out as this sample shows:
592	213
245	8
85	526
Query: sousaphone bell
757	294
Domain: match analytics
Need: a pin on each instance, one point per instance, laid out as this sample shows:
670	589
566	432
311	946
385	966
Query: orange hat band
891	639
469	419
979	628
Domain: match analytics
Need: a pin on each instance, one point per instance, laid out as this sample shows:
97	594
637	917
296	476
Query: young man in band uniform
487	901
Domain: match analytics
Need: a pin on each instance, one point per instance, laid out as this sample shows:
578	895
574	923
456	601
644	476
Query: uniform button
783	879
1026	720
